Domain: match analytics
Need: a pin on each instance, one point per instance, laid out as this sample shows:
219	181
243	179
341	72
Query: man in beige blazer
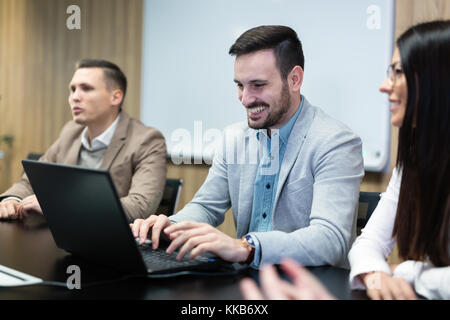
102	135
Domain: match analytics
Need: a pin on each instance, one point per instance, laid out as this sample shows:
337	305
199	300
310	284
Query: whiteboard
187	76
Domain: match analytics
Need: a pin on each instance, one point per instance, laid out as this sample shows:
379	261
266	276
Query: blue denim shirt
265	185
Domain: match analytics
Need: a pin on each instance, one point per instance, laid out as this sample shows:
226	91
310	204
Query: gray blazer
314	213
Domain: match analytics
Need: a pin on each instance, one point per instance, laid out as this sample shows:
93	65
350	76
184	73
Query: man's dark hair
283	40
114	77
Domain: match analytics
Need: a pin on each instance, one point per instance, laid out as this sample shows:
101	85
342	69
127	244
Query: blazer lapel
247	177
295	142
74	150
117	141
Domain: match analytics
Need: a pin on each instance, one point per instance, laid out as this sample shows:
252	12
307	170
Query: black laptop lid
84	214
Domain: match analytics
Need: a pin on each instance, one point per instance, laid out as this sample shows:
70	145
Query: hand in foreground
381	286
201	237
304	285
28	205
9	209
141	228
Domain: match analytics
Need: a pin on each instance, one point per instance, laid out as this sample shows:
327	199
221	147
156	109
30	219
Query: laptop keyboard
159	259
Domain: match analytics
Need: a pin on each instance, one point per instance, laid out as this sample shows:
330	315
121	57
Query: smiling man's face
261	90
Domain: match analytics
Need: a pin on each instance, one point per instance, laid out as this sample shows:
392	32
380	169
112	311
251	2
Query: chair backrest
171	196
34	156
368	201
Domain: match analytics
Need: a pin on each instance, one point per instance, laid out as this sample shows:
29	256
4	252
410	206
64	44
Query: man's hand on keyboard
201	237
156	223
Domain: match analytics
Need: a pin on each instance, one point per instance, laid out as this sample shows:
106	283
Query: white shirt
374	245
102	141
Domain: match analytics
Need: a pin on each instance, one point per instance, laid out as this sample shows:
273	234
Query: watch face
249	240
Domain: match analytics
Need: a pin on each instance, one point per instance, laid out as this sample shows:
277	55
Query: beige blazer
136	159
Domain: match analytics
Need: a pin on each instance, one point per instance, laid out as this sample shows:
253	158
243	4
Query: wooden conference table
28	246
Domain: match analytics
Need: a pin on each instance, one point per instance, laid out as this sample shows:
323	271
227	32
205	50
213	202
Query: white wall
188	74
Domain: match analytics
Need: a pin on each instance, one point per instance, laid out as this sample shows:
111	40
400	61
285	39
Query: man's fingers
207	245
190	238
197	246
8	209
160	222
136	226
185	225
23	213
143	230
20	212
174	235
3	212
28	205
177	242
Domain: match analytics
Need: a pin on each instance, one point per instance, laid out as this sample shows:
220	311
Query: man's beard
274	116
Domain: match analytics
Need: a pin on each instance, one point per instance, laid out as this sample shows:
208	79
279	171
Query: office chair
34	156
368	201
171	196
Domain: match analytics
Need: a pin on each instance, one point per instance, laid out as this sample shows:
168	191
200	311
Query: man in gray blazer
291	174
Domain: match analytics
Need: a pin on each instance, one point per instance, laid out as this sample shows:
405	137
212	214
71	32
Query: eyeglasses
394	71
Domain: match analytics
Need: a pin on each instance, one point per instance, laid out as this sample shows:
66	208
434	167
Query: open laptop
86	218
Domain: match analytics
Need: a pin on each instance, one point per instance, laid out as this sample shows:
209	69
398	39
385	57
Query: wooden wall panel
12	77
37	57
193	177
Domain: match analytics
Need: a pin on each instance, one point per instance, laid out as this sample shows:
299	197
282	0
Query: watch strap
249	244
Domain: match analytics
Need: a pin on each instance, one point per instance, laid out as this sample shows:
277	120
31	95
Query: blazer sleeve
149	177
22	188
212	200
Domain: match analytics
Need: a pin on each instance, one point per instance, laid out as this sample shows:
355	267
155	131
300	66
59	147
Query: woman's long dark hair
422	220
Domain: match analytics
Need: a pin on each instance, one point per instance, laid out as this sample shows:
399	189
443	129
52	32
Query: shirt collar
101	141
285	131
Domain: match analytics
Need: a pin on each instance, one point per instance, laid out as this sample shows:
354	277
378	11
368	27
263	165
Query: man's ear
116	97
295	78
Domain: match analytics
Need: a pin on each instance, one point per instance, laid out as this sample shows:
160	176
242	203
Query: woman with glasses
414	212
